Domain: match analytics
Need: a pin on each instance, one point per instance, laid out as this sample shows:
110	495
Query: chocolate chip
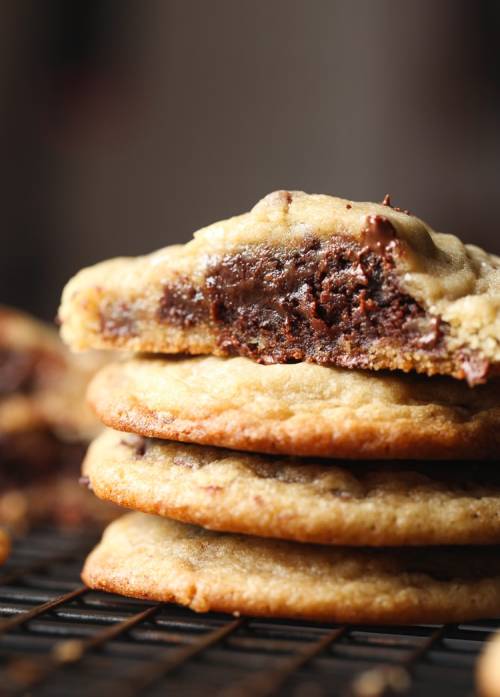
138	443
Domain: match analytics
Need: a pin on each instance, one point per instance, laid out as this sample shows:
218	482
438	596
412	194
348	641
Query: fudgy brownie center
323	301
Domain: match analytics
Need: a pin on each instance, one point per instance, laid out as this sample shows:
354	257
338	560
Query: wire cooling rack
57	639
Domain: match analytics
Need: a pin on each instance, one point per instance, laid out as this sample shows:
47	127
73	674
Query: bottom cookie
145	556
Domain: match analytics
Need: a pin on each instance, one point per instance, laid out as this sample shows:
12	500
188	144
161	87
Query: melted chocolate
323	301
378	234
182	305
387	202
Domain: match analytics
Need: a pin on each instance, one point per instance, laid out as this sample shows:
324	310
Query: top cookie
302	278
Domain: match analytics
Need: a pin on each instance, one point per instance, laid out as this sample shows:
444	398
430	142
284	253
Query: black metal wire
59	638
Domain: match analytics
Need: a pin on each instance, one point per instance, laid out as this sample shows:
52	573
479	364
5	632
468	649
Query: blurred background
125	125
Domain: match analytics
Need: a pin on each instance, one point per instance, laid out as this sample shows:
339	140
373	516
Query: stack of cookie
328	451
45	426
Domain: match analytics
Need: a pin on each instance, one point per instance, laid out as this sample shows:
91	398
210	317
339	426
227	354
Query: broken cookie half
302	278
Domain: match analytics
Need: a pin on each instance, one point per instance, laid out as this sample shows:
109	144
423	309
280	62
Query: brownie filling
323	301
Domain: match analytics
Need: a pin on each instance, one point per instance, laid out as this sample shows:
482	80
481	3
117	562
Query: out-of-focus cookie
163	560
35	365
302	278
4	545
61	500
299	409
44	425
325	502
488	669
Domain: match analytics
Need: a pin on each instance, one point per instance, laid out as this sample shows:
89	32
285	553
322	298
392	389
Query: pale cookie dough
300	409
302	277
162	560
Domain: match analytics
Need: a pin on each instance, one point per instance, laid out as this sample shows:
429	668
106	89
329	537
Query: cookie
36	366
4	545
159	559
60	500
302	278
44	424
39	482
324	502
488	669
299	409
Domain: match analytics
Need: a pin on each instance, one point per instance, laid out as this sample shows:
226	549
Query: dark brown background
125	125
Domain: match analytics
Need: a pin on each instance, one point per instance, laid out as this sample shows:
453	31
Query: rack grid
58	638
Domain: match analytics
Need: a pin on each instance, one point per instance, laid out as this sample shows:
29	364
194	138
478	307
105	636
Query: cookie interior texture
302	277
317	501
158	559
299	409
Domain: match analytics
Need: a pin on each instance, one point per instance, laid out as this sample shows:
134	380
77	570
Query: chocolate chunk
378	234
182	304
137	443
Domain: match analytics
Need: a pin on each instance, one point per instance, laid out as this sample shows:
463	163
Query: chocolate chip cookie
299	409
158	559
302	278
